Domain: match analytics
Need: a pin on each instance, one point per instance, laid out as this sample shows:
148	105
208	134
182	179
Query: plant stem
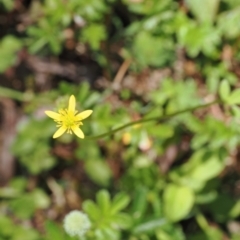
157	119
19	96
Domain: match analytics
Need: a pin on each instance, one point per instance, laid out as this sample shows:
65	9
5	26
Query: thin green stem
157	119
19	96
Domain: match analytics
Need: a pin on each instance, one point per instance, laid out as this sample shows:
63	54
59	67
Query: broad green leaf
9	192
19	183
23	206
20	233
98	171
228	22
224	90
152	50
234	97
204	10
40	198
203	165
209	167
178	201
6	226
200	168
8	4
235	111
53	231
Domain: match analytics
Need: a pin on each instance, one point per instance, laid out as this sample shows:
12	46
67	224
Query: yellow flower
68	119
126	138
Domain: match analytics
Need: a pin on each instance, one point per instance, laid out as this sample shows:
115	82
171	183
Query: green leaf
162	131
103	201
19	183
209	166
6	226
234	97
120	201
178	201
235	211
139	202
171	231
152	50
8	4
214	233
156	203
40	198
149	225
20	233
109	234
224	207
206	197
9	45
202	166
228	22
23	206
224	90
53	231
92	210
203	38
235	111
122	220
204	10
94	34
92	100
83	92
98	171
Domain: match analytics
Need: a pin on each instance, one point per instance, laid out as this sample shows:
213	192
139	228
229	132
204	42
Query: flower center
69	121
67	118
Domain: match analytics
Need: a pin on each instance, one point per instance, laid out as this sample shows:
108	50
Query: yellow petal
59	132
78	131
84	114
54	115
72	104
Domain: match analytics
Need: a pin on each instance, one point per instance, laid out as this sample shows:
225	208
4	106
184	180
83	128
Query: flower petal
84	114
54	115
59	132
78	131
72	104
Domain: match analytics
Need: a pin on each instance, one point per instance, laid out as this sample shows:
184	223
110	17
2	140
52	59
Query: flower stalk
153	119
